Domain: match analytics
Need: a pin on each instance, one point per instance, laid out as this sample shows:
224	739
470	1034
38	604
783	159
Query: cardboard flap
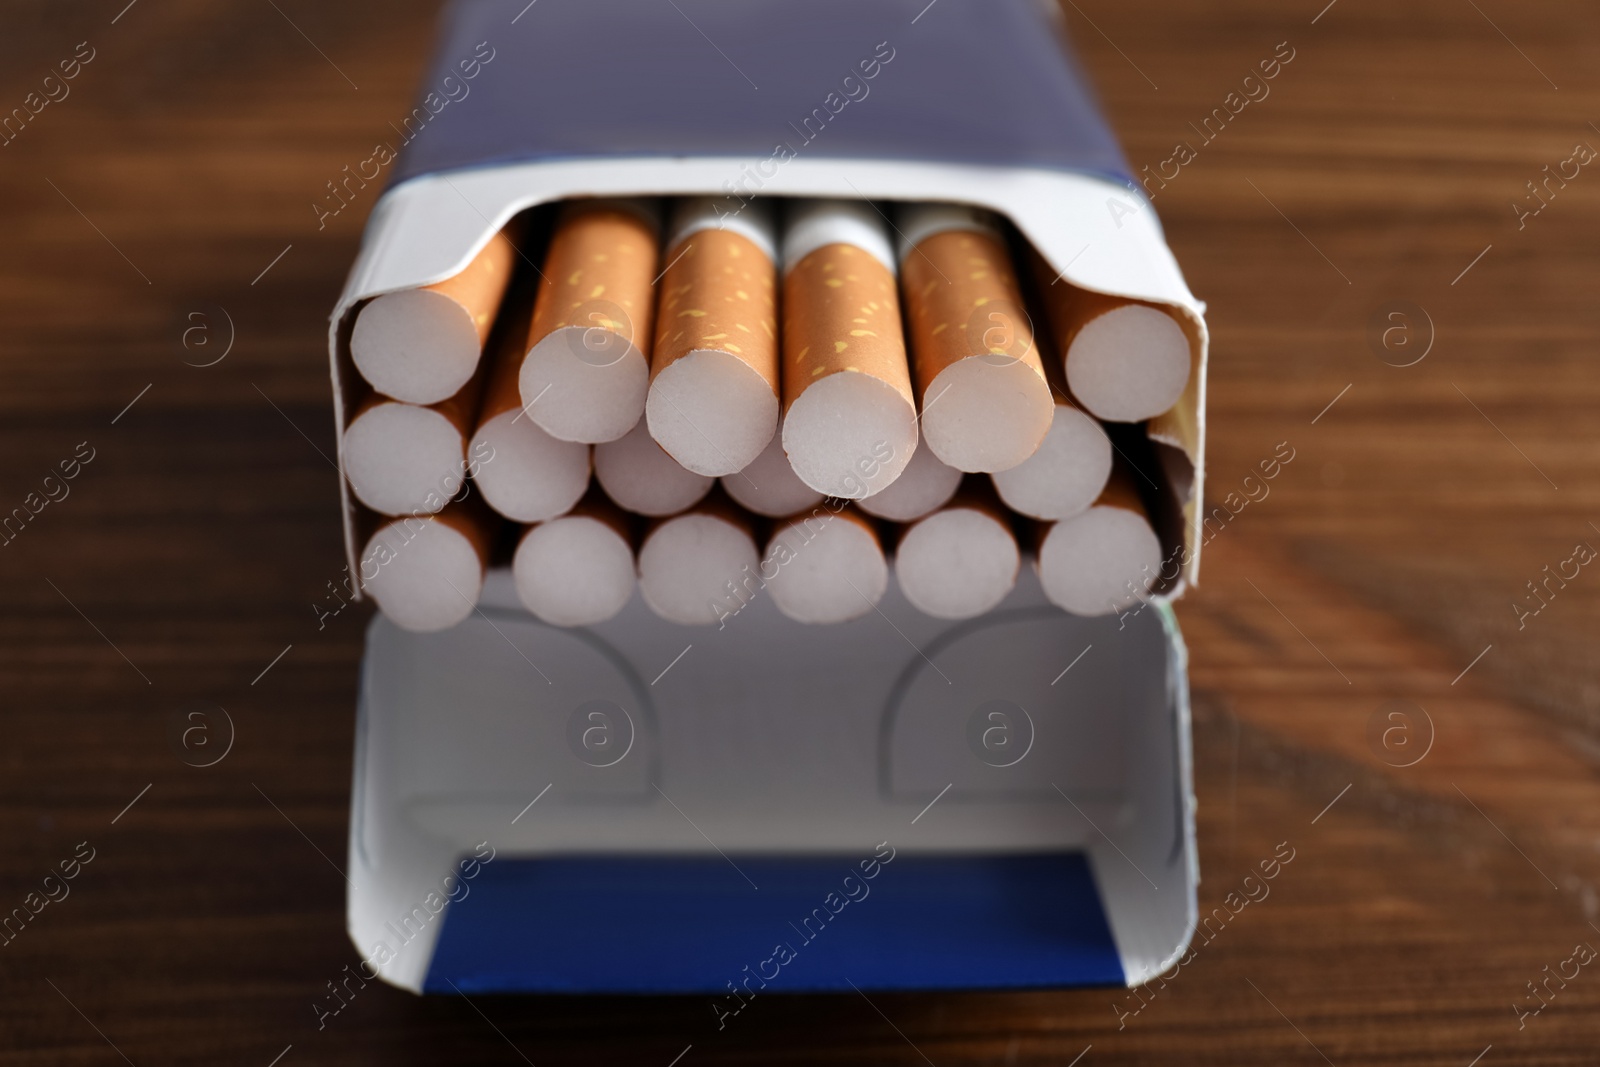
847	79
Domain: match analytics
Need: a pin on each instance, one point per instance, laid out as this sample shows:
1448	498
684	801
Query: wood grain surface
175	181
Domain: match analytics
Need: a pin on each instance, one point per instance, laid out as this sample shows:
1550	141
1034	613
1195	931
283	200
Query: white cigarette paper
825	567
576	570
985	402
924	486
850	419
639	475
422	345
426	572
713	402
690	566
769	486
1106	559
959	562
588	367
1066	474
529	476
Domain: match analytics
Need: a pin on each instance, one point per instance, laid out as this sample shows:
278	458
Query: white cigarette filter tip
711	411
769	486
532	476
403	459
693	568
585	383
1100	562
428	574
957	563
926	485
639	476
1128	364
825	568
415	345
1065	476
986	412
573	571
850	435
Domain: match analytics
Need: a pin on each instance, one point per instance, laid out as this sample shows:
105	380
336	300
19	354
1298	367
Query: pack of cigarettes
772	435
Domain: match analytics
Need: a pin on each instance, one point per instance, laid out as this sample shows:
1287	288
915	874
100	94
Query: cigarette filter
639	475
925	485
713	401
585	375
525	474
406	459
825	567
960	561
1104	560
422	345
850	419
1067	473
578	569
769	486
985	402
693	567
426	571
1125	360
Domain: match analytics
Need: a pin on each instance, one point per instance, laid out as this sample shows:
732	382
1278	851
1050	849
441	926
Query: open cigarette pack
773	434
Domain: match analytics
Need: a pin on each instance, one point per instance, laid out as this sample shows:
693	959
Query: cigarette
769	486
985	402
639	475
1125	361
825	567
578	569
713	401
850	418
924	486
525	474
1105	559
585	375
960	561
693	568
422	345
427	571
405	459
1066	475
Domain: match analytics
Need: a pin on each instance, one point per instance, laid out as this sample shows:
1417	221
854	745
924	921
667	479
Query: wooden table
170	192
